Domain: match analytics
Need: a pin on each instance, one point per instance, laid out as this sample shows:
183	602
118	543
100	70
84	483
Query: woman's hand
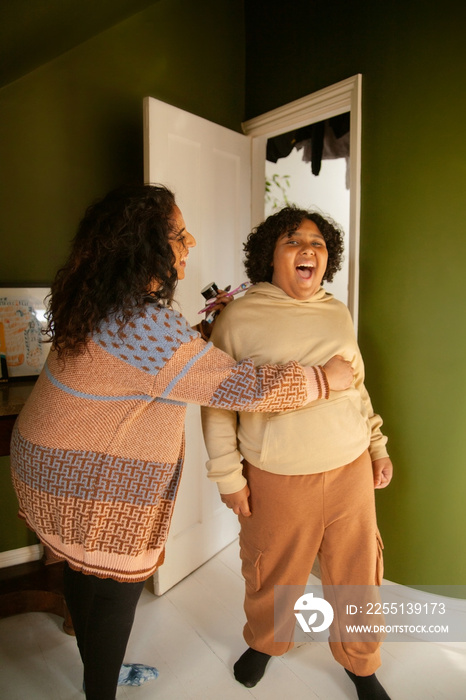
221	300
382	470
238	502
339	373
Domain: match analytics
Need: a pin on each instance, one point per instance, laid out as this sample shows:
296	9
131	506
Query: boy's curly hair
261	242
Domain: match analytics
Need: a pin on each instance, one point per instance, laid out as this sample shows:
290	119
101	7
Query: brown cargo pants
296	518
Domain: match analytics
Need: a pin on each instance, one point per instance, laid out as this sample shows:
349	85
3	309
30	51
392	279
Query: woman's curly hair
120	248
261	242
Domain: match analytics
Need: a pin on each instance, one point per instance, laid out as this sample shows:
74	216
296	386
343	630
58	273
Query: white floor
193	636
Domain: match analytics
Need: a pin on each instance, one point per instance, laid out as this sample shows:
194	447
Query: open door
208	168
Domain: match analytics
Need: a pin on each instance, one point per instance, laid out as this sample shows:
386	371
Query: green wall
413	241
72	129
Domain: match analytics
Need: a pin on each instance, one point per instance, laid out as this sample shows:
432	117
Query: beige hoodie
270	327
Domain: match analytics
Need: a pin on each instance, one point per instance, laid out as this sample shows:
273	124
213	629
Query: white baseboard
23	555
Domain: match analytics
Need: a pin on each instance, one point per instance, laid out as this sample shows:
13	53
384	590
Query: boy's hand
339	373
383	472
238	502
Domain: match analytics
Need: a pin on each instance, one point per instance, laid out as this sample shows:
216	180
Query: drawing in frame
22	320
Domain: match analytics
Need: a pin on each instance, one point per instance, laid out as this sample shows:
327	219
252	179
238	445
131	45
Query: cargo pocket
379	564
251	561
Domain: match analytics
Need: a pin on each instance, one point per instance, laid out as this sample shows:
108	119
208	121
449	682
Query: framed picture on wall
22	320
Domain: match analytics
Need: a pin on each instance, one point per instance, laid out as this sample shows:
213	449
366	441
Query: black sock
368	687
250	667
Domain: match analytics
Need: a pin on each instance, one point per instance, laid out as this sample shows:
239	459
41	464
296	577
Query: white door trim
341	97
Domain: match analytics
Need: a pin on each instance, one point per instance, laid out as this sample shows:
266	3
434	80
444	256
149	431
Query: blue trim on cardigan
186	369
93	397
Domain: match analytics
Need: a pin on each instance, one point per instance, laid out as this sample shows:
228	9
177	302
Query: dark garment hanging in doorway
323	140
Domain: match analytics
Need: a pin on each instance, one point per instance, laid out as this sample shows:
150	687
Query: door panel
208	168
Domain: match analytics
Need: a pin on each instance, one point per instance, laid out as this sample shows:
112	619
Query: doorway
309	168
218	176
335	100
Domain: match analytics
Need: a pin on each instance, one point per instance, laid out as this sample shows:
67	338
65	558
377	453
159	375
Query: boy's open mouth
305	271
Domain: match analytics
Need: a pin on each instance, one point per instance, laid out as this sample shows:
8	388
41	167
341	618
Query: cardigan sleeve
172	362
202	374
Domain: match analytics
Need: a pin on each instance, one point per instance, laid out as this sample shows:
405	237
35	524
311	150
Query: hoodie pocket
315	438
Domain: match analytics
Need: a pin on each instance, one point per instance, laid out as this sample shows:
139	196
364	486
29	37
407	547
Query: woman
306	484
97	451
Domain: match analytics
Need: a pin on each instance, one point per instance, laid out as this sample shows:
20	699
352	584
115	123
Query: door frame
339	98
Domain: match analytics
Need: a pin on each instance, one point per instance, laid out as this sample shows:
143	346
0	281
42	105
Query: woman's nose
190	240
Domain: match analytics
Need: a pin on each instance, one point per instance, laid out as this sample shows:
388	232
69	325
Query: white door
208	168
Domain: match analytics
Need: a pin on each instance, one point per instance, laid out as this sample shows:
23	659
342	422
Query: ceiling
33	32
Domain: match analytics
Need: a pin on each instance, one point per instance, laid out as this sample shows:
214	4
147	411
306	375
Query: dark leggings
102	611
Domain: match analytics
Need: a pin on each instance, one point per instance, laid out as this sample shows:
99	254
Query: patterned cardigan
97	451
